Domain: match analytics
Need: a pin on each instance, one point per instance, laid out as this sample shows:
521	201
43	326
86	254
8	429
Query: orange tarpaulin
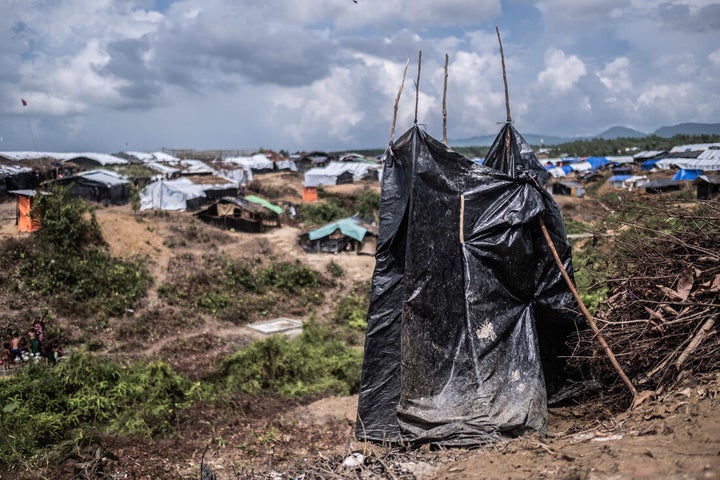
25	222
310	194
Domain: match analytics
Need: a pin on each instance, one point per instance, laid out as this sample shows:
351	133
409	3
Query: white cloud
714	57
616	75
561	71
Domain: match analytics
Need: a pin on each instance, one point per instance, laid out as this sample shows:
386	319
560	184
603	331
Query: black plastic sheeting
469	313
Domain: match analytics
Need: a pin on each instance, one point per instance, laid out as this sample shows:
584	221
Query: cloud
690	17
714	57
414	13
575	15
561	71
616	75
325	74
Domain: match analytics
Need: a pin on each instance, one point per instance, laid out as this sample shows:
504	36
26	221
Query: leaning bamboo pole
637	397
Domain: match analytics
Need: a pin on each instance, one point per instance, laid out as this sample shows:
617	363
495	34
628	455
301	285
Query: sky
303	75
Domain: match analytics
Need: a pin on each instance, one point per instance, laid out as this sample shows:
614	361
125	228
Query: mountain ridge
688	128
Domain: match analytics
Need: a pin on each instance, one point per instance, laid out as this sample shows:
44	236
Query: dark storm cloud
127	63
259	53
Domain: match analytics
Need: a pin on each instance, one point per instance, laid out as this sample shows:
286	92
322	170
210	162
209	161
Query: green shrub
290	277
323	212
311	364
67	265
335	269
368	203
351	310
43	402
65	226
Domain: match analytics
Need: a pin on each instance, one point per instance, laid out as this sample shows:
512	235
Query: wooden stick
507	104
585	311
417	86
462	218
695	342
397	100
444	101
502	58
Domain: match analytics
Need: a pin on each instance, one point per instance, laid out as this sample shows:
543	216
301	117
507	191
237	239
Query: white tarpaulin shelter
100	158
328	175
176	194
257	162
707	161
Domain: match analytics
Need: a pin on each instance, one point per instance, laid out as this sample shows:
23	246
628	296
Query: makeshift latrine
25	219
241	214
469	312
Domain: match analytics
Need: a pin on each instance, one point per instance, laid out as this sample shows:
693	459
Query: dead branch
695	342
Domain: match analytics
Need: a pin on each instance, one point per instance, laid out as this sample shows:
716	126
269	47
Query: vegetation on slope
66	265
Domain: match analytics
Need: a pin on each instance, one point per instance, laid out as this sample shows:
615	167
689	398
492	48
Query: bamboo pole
444	101
502	59
417	87
397	101
585	311
637	398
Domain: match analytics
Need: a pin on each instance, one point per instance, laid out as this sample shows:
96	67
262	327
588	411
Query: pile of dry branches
662	313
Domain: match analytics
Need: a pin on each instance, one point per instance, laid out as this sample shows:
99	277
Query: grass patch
237	291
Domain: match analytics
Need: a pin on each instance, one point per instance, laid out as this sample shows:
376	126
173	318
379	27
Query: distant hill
609	134
620	132
486	140
689	129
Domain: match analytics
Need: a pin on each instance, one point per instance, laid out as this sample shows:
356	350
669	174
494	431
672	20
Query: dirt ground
673	436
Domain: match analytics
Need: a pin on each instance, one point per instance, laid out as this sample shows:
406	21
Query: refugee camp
358	239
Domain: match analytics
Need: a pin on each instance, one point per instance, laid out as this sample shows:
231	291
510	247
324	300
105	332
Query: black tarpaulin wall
468	312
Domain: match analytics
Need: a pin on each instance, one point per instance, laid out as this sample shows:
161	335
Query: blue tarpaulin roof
619	178
649	164
686	174
597	162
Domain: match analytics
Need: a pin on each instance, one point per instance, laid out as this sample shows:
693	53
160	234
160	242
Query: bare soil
674	435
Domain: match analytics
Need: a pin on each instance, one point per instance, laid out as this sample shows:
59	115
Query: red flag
23	102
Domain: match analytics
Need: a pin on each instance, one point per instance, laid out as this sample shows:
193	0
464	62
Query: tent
264	203
572	189
649	164
597	163
337	173
242	214
98	186
258	163
347	234
687	174
618	181
184	194
663	185
708	186
469	313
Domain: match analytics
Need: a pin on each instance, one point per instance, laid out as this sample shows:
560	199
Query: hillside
674	435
